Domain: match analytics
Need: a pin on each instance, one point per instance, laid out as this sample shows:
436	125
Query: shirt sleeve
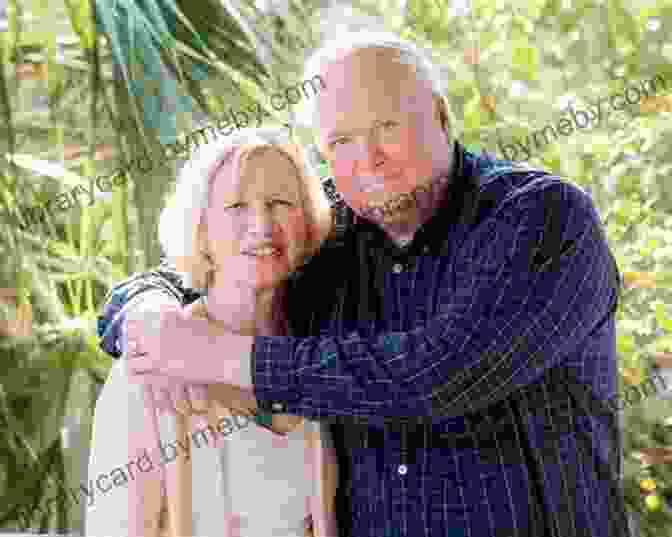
144	307
110	322
120	434
512	315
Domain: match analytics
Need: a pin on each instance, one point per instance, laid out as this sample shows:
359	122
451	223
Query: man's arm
514	314
508	322
142	297
136	288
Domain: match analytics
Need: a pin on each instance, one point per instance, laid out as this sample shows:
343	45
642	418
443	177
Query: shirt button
403	469
397	268
425	250
278	407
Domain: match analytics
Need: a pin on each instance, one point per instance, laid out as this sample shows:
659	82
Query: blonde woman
247	213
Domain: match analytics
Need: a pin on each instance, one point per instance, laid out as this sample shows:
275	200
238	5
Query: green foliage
81	82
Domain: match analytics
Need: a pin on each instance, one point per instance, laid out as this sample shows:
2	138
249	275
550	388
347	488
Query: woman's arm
119	440
323	472
124	431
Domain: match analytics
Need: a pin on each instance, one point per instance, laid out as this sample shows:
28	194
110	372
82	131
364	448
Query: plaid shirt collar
432	233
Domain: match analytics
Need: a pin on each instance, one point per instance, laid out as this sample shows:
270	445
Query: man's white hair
350	42
179	220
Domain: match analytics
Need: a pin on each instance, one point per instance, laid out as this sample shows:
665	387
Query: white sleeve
324	478
121	412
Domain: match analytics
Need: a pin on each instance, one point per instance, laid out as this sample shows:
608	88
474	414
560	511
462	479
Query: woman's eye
234	206
338	141
281	202
390	124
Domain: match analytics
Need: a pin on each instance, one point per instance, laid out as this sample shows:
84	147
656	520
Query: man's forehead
377	59
370	69
368	86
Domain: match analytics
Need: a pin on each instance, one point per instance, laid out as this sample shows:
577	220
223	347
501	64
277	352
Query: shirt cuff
273	373
246	372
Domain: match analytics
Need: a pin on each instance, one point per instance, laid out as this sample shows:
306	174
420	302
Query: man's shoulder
164	279
506	183
559	204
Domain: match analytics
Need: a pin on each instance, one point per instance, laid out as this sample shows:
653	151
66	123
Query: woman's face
255	223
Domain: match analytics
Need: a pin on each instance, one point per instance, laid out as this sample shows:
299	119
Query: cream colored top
246	481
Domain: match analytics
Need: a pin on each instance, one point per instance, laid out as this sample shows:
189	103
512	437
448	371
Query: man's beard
395	206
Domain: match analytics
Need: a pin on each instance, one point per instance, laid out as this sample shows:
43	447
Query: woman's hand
309	527
237	400
285	423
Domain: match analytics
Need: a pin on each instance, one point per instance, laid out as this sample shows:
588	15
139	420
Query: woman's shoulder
195	309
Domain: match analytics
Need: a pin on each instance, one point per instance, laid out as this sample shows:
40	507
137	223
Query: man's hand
189	349
174	396
178	348
168	394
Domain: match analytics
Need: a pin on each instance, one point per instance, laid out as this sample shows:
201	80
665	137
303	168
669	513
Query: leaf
625	344
44	167
524	59
157	19
106	19
82	21
666	324
472	113
660	312
641	280
622	25
632	376
488	103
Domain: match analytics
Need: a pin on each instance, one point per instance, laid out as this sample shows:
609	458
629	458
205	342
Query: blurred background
88	85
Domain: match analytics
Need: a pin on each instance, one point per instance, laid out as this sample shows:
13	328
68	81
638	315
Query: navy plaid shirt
469	377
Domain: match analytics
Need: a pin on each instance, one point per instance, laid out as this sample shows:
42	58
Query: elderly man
462	344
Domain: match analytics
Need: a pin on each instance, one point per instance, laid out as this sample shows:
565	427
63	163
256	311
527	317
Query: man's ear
320	150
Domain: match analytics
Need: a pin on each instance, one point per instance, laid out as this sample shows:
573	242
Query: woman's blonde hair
180	225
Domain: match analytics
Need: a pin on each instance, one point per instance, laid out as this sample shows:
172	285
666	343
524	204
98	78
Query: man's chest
379	292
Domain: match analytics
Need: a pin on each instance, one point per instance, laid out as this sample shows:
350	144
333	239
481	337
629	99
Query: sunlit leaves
82	21
524	59
622	25
473	114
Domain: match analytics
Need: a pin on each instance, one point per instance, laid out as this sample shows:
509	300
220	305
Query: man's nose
261	223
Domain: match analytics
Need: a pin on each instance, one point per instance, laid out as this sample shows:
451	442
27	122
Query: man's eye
389	125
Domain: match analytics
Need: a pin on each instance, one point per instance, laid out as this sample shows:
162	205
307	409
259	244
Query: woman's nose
371	156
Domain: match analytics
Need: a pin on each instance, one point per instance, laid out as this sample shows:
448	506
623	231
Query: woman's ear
199	264
442	111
